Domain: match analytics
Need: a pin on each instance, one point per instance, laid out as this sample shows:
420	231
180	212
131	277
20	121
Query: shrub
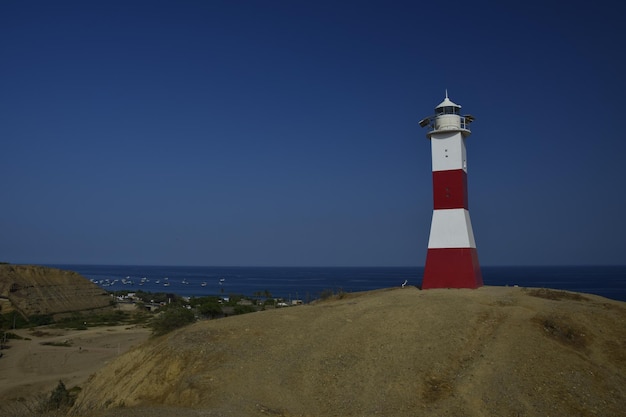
10	335
13	320
171	318
243	309
210	309
75	321
328	294
555	294
59	398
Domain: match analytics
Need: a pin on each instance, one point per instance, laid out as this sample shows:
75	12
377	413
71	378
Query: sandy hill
494	351
37	290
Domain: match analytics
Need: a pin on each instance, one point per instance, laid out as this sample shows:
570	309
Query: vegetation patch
330	294
65	343
13	320
171	318
563	332
60	399
555	294
76	320
39	333
435	389
10	335
243	309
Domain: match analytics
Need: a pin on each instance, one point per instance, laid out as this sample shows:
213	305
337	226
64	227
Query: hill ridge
38	290
493	351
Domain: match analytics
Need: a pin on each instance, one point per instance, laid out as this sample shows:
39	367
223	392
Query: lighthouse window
452	110
447	110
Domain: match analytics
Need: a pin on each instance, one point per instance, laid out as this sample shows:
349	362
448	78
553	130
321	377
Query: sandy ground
495	351
491	352
35	365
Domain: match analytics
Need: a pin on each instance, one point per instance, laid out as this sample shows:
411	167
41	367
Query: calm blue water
307	283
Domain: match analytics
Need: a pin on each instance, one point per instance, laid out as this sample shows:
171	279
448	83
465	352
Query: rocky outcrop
36	290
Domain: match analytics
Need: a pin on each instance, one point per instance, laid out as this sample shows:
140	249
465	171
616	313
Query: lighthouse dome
447	106
447	103
447	118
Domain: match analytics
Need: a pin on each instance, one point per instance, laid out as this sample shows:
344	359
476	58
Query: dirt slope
494	351
37	290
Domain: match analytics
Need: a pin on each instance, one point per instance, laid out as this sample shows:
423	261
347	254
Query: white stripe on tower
451	228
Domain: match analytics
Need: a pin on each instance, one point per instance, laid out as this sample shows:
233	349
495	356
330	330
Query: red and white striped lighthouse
452	259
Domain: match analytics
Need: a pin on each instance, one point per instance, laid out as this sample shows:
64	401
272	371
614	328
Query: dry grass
549	294
493	351
563	331
398	352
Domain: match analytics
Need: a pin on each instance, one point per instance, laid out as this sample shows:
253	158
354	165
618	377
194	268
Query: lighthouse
452	259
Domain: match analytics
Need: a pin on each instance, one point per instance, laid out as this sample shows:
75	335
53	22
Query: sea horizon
309	282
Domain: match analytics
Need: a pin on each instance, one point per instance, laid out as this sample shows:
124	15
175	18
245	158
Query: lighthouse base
452	268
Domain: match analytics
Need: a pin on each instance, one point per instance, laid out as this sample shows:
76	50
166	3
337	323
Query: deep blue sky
285	133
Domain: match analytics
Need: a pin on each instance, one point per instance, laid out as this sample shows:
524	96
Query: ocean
307	283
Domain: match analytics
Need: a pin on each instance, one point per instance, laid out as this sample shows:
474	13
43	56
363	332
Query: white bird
406	281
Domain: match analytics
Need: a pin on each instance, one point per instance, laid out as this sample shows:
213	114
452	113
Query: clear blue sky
285	133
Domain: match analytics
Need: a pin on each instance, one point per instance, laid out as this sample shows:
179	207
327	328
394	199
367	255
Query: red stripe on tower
452	259
450	189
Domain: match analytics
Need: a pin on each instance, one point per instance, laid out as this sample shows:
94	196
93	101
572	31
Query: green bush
110	318
75	321
197	301
10	335
328	293
13	320
60	398
171	318
139	317
243	309
210	309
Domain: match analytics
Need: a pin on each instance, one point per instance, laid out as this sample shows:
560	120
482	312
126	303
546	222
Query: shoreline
301	282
